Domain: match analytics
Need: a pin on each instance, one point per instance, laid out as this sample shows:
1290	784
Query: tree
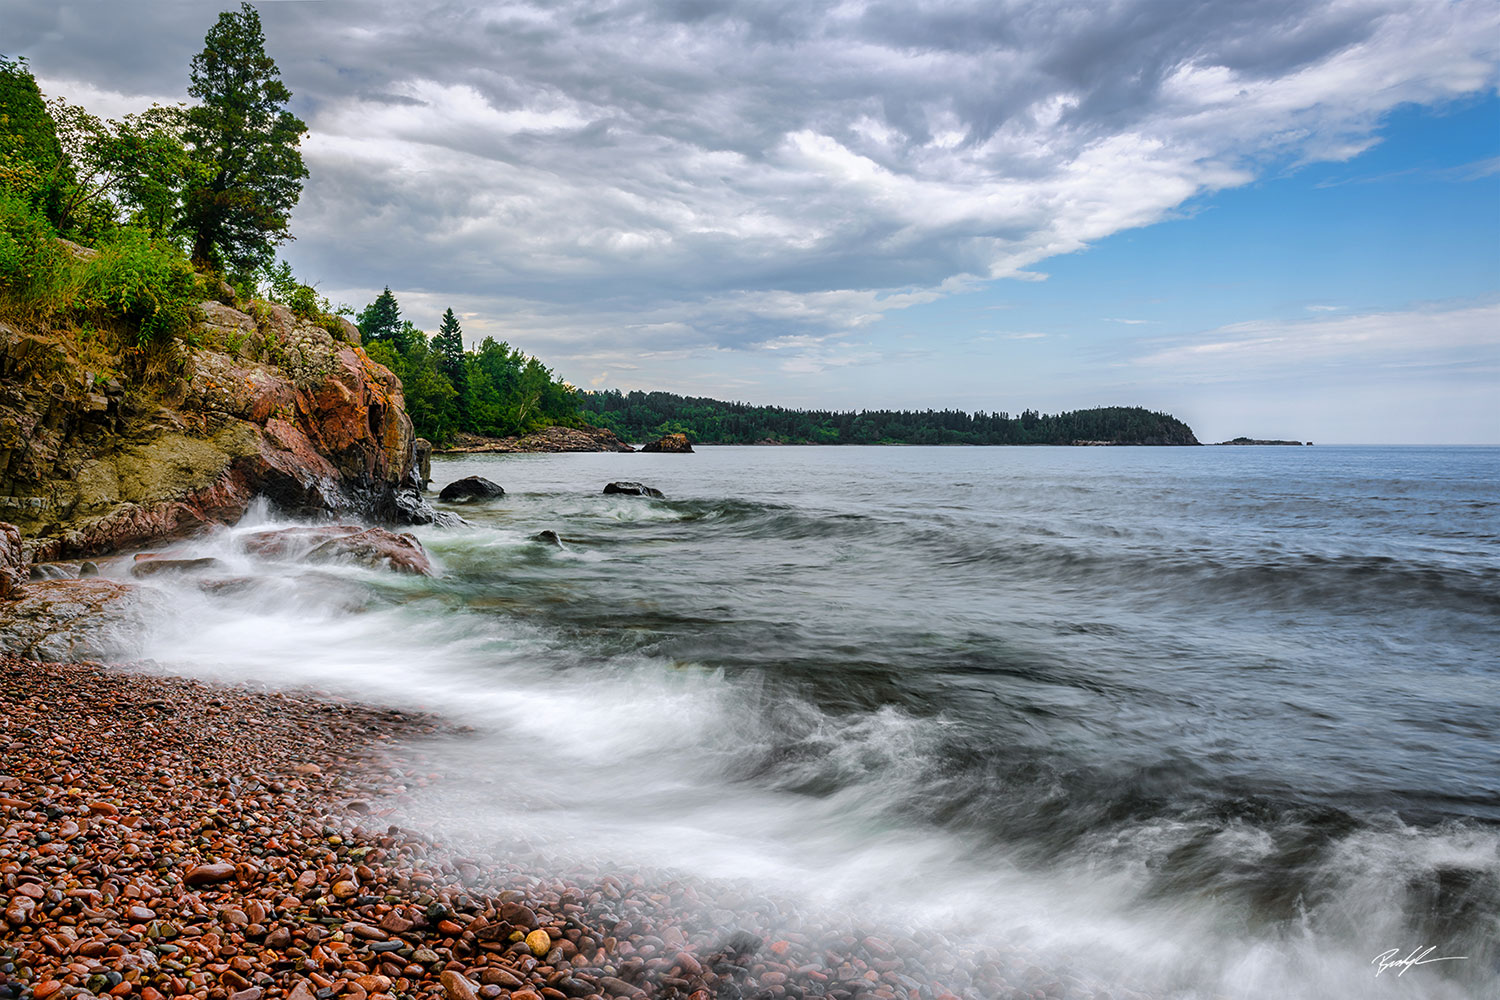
448	344
31	160
238	209
381	319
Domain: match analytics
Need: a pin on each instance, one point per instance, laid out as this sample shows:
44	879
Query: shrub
147	283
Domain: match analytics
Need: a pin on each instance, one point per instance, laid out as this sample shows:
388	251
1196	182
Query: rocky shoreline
549	439
164	837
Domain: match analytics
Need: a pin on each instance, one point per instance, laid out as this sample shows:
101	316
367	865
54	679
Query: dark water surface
1197	722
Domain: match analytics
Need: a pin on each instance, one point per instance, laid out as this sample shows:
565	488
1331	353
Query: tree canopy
238	208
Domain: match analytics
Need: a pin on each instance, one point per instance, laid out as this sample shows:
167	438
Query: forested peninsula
638	416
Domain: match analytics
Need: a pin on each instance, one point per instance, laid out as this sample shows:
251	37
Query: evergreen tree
448	344
237	209
381	319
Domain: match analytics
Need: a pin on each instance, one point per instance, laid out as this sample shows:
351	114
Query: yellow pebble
539	941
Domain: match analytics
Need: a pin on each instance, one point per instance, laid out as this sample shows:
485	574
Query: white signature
1418	956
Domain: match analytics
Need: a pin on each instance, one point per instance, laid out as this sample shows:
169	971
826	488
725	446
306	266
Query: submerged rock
634	490
471	488
670	444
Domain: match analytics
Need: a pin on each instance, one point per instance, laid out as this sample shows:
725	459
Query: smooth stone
221	871
88	568
457	987
539	941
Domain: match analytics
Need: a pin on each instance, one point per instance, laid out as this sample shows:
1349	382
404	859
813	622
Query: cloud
1129	322
1460	338
720	174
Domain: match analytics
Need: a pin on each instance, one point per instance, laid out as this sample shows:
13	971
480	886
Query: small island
1246	440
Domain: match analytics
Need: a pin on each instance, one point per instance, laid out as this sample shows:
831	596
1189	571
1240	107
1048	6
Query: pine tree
237	208
449	346
381	319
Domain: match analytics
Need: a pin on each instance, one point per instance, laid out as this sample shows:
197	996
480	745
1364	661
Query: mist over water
1189	722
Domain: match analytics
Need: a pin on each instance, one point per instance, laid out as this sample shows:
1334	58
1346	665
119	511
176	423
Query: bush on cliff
141	287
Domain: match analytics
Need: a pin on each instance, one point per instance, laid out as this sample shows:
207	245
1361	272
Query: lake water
1193	722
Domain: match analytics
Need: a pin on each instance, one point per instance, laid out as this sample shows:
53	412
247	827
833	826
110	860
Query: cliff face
265	404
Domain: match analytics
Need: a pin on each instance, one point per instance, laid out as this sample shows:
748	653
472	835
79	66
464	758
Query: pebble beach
165	837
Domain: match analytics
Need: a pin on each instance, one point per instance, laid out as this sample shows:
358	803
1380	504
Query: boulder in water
471	488
548	537
670	444
634	490
374	548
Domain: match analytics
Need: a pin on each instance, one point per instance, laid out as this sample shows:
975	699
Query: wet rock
422	465
48	571
670	444
146	568
87	569
457	987
548	537
634	490
471	488
11	560
209	874
539	941
69	621
374	548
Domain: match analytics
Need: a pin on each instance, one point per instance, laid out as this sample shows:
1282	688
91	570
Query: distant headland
637	416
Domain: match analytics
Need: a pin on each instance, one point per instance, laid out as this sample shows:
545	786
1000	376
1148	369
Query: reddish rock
457	987
376	548
210	874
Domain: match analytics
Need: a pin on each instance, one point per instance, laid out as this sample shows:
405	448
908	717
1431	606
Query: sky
1279	219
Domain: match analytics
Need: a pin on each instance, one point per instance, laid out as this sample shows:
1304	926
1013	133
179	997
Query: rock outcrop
549	439
634	490
670	444
266	404
77	620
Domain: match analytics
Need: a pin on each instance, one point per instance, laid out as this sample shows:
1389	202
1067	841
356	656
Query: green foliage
493	390
141	284
448	343
302	299
237	207
380	319
144	281
31	160
641	416
38	277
